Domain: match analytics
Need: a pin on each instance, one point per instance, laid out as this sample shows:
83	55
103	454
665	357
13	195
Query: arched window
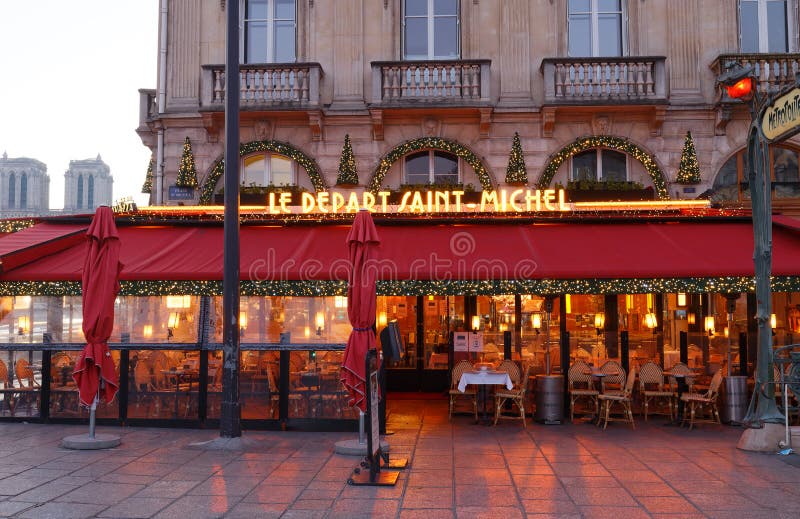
12	188
599	165
731	183
23	191
266	169
431	167
90	193
79	202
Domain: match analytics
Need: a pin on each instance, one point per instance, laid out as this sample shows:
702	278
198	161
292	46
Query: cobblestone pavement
457	469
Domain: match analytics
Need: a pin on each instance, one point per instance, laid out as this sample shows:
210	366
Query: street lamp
739	83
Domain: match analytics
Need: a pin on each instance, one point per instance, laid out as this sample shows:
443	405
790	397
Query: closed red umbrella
363	242
94	373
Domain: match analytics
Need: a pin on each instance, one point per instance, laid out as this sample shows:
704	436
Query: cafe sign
782	118
420	202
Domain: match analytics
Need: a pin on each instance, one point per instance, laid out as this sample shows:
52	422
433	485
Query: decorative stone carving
263	130
601	125
431	127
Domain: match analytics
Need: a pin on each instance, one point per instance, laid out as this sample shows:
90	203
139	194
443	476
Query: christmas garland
282	148
734	284
606	141
423	143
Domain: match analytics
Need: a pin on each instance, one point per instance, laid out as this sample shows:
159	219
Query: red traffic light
742	89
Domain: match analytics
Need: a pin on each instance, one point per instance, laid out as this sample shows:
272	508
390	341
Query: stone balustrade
606	79
284	84
450	82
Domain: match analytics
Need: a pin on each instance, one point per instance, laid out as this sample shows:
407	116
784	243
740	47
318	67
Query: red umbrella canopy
363	242
94	373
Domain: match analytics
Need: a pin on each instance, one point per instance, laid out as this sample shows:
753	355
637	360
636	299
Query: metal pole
230	413
92	412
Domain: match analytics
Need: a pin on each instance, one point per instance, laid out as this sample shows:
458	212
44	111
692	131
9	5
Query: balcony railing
772	71
265	85
448	82
602	80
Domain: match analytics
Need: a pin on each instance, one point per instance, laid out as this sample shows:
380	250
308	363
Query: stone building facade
87	184
601	93
24	187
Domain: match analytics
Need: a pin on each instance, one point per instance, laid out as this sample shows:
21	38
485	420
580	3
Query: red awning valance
566	250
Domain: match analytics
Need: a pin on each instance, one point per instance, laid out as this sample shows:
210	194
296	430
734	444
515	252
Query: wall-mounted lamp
173	320
681	299
599	322
773	321
709	325
650	320
476	323
319	322
382	320
691	318
536	323
147	331
23	324
726	332
242	323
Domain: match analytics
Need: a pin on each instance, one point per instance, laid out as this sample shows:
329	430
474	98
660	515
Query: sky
71	71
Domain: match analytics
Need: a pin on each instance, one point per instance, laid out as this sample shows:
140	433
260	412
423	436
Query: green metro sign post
775	117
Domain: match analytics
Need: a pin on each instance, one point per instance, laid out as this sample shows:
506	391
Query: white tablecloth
670	358
484	377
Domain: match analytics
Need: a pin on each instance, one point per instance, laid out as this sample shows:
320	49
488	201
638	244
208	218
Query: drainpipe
161	100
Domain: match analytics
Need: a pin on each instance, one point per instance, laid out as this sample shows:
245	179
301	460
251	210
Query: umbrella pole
92	410
362	436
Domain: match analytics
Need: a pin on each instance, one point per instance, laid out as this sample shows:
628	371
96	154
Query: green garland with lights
516	173
347	175
147	187
423	143
281	148
689	168
606	141
734	284
187	172
15	225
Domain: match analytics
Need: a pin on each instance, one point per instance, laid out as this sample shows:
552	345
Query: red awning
40	240
568	250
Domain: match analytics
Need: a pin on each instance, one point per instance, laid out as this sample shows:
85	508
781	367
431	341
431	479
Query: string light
15	225
614	143
436	143
281	148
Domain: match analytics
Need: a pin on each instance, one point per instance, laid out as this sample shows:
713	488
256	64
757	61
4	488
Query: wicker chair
510	367
581	388
651	387
615	378
516	396
701	402
622	397
469	393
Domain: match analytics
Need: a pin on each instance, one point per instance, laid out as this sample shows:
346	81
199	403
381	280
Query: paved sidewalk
456	469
